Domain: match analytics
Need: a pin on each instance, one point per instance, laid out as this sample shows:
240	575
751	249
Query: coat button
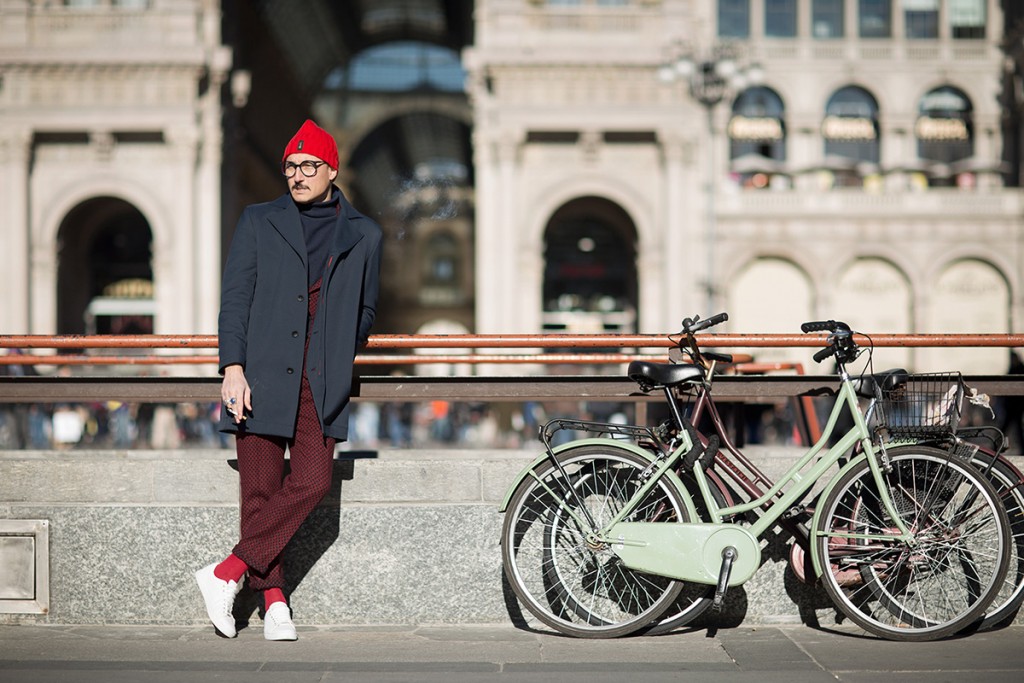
290	371
300	298
294	334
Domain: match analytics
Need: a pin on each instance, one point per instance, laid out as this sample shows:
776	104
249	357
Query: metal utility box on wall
24	566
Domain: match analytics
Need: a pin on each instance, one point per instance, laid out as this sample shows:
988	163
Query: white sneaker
219	596
277	623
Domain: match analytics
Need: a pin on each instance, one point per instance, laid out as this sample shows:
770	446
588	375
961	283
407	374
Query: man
299	294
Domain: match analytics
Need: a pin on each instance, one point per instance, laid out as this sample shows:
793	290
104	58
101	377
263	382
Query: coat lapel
286	221
346	235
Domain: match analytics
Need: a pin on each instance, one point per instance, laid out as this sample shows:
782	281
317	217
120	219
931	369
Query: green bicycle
601	535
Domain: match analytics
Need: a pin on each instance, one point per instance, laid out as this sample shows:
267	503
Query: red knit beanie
314	140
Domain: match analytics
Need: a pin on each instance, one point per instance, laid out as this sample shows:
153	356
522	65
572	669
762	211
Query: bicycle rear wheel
931	587
565	579
1008	485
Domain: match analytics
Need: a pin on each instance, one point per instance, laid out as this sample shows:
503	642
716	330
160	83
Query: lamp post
709	80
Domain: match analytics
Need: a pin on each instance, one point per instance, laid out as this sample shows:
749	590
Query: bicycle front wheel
940	581
567	580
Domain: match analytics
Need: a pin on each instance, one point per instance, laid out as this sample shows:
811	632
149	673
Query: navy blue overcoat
264	312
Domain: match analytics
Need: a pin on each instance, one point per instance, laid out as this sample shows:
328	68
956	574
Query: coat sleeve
371	289
237	287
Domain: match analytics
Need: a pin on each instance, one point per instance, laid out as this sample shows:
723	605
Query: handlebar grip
717	357
716	319
823	354
695	324
824	326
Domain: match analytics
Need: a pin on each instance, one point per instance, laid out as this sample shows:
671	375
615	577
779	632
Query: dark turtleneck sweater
318	221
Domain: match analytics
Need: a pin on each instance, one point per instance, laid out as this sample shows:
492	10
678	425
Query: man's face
314	189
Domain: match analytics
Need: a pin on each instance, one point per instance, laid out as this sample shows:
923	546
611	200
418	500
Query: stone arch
770	294
873	295
968	296
635	204
48	223
49	217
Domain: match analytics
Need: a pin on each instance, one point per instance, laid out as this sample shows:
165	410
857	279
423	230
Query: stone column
676	293
206	234
15	150
487	240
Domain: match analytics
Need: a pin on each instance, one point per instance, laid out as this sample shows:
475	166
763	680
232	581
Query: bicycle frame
641	545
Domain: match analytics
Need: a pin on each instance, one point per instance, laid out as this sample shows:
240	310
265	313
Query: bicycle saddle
648	374
885	381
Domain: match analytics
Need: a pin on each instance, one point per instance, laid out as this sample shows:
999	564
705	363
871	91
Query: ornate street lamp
710	79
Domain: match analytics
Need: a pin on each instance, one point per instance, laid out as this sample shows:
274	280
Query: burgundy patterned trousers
273	505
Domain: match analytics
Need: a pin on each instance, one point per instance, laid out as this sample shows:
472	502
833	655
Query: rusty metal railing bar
498	341
363	359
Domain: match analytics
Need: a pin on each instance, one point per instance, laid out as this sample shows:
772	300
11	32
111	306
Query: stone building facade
858	172
111	144
863	170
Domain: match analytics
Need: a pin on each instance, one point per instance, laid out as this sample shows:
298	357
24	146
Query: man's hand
235	393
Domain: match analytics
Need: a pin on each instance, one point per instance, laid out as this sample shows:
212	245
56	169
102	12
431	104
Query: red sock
230	569
272	595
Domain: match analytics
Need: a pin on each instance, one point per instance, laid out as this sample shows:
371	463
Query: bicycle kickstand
728	556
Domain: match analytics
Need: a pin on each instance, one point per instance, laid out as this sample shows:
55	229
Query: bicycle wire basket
926	406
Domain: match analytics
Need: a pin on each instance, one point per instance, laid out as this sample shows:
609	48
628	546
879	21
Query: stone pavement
34	653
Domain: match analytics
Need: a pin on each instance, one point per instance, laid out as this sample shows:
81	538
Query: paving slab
33	653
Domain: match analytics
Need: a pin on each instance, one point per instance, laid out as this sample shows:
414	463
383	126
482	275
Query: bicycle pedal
729	555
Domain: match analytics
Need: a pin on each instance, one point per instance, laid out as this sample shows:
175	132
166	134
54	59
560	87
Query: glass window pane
757	126
966	18
945	126
875	18
921	18
827	18
734	18
850	128
780	18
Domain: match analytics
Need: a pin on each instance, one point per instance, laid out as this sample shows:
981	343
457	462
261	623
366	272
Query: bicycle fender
815	560
606	443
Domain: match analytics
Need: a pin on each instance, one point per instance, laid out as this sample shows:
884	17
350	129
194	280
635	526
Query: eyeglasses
308	168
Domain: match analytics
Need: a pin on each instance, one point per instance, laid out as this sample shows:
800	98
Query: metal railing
564	350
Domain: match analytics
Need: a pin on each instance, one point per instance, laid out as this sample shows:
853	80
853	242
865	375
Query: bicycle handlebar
824	326
840	340
695	324
822	354
687	343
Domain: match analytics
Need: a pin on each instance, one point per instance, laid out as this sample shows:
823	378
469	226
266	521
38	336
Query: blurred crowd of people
120	425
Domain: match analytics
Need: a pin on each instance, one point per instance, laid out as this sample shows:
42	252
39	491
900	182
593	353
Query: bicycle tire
942	582
576	588
1007	483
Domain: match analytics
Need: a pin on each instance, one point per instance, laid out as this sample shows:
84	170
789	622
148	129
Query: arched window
850	128
105	274
590	278
757	137
400	66
945	126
